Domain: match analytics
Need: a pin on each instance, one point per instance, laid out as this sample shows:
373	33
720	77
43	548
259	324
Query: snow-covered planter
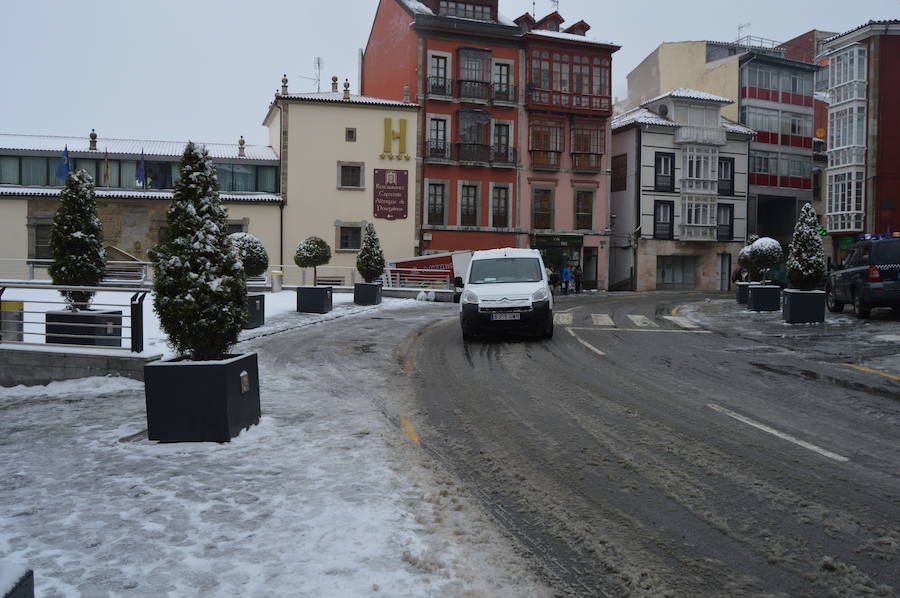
204	394
312	253
764	297
764	254
742	292
370	264
805	270
16	580
255	260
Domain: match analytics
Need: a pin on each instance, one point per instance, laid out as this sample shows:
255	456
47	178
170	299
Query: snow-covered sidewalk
324	498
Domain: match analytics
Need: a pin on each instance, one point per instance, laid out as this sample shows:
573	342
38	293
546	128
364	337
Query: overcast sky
206	70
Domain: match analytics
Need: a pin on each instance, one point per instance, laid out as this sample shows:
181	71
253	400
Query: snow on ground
324	498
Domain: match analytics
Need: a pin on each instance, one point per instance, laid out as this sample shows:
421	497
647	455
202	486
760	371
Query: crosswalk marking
642	321
682	322
562	319
602	320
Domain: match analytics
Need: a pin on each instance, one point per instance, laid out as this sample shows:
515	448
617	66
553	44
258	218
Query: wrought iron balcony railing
439	86
545	159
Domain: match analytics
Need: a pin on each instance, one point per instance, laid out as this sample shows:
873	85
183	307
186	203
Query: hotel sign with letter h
390	135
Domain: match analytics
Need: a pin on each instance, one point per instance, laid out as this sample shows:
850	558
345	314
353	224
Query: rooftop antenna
741	27
317	65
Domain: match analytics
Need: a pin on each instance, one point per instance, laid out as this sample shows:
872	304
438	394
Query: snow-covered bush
251	252
765	253
745	262
76	240
370	259
806	260
200	289
312	253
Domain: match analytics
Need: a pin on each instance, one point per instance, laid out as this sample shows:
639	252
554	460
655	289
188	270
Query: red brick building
513	130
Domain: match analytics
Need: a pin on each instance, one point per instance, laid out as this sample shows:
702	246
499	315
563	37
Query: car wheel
862	310
548	330
833	304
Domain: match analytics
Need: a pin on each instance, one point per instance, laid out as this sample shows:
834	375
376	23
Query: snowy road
643	455
327	497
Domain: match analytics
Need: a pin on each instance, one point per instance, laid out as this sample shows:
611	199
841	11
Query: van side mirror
458	282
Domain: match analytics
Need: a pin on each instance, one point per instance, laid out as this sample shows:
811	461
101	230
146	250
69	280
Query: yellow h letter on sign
390	135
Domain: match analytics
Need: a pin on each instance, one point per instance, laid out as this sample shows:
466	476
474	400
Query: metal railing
503	155
545	158
504	92
117	272
473	152
474	90
25	319
438	149
439	86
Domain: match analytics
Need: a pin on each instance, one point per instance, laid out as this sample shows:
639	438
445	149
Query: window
725	222
796	166
350	175
350	134
42	242
503	89
546	143
698	217
662	219
500	207
501	136
664	172
234	227
350	237
619	177
468	206
438	67
700	168
34	171
267	179
542	209
244	178
474	73
89	166
540	69
760	119
584	210
474	135
158	175
763	163
466	10
726	176
112	170
437	202
9	170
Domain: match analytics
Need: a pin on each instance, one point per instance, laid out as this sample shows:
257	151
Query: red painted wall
461	240
887	160
390	58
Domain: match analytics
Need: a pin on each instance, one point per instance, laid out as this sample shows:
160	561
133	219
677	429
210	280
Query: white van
506	289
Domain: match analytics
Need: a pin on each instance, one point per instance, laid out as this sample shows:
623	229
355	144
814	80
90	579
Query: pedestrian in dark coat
579	278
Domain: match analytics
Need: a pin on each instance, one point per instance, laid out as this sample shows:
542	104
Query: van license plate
509	316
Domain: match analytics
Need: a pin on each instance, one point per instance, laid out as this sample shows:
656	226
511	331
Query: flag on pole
105	166
140	169
63	169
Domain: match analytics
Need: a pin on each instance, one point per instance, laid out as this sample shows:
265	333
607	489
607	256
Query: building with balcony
679	196
863	175
772	95
513	127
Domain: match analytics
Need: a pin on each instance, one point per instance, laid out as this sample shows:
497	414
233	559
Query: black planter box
367	293
201	401
100	328
256	311
803	307
742	292
315	300
764	297
23	586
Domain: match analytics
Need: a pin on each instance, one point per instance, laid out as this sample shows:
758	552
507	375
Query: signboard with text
391	194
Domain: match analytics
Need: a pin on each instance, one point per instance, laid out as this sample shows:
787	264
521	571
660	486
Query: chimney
406	93
346	89
93	137
241	147
334	84
284	84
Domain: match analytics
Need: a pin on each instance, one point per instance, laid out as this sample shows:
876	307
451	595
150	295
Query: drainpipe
637	204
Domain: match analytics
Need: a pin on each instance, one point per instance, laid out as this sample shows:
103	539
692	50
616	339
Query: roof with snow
640	116
863	26
134	147
733	127
137	194
570	37
337	97
417	8
685	93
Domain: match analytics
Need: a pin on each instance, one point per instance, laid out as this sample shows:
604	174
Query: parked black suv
869	277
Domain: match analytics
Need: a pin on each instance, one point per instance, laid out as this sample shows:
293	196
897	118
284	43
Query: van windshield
506	269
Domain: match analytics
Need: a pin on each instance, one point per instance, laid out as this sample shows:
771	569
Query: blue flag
63	169
140	169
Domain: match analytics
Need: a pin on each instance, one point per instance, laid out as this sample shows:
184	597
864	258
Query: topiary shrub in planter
803	303
312	253
764	253
206	393
76	245
370	264
255	260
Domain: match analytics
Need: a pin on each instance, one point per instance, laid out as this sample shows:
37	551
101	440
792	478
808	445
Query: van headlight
540	295
468	297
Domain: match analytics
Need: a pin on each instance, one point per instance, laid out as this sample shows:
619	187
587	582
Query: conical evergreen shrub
806	260
312	253
76	240
370	259
200	289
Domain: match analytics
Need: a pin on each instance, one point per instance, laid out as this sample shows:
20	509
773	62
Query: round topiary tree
370	259
76	240
806	260
744	260
765	253
251	252
312	253
200	290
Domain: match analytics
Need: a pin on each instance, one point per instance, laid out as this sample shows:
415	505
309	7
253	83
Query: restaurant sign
391	194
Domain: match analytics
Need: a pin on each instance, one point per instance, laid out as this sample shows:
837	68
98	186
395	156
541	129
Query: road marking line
774	432
642	321
683	322
562	311
562	319
869	371
602	320
586	344
678	330
409	430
